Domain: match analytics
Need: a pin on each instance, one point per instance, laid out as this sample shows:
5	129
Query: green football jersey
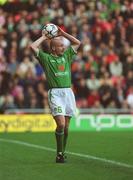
57	69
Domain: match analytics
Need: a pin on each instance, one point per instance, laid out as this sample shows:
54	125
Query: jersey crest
61	67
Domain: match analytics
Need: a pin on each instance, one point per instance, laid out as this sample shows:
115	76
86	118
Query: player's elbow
32	47
78	44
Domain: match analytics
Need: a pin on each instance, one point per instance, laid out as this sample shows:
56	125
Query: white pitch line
68	152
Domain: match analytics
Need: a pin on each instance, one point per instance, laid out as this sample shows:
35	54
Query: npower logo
100	122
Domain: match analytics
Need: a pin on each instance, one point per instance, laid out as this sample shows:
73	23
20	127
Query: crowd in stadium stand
102	71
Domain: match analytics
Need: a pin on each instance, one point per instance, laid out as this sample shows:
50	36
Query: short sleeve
70	53
42	57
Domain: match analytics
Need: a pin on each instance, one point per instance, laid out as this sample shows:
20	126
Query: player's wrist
44	37
66	35
63	33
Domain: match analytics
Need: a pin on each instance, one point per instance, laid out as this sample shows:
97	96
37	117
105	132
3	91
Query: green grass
19	162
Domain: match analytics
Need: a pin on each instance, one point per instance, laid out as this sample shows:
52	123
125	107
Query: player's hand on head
45	37
43	34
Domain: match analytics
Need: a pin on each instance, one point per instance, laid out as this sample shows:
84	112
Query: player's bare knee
61	126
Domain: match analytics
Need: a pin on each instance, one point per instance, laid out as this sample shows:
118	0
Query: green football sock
59	140
65	140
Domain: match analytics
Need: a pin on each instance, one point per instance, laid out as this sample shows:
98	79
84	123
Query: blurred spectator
82	93
93	99
25	66
128	65
129	79
6	102
116	68
130	97
93	83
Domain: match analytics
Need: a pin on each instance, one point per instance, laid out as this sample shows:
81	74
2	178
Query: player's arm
74	42
35	45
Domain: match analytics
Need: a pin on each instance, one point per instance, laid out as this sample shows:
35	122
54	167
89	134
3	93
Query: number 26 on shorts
58	109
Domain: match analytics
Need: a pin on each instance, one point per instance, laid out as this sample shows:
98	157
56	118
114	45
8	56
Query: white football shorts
62	101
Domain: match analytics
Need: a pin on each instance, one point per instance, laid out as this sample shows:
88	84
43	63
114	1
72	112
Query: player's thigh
60	121
56	103
71	104
67	121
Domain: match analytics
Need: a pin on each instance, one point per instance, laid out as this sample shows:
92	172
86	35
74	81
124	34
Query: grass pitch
33	161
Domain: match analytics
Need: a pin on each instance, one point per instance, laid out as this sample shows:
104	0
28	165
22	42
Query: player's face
59	48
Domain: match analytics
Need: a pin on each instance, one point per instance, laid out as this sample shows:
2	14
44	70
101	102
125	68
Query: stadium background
102	80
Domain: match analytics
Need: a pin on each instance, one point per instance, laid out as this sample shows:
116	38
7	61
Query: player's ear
52	46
